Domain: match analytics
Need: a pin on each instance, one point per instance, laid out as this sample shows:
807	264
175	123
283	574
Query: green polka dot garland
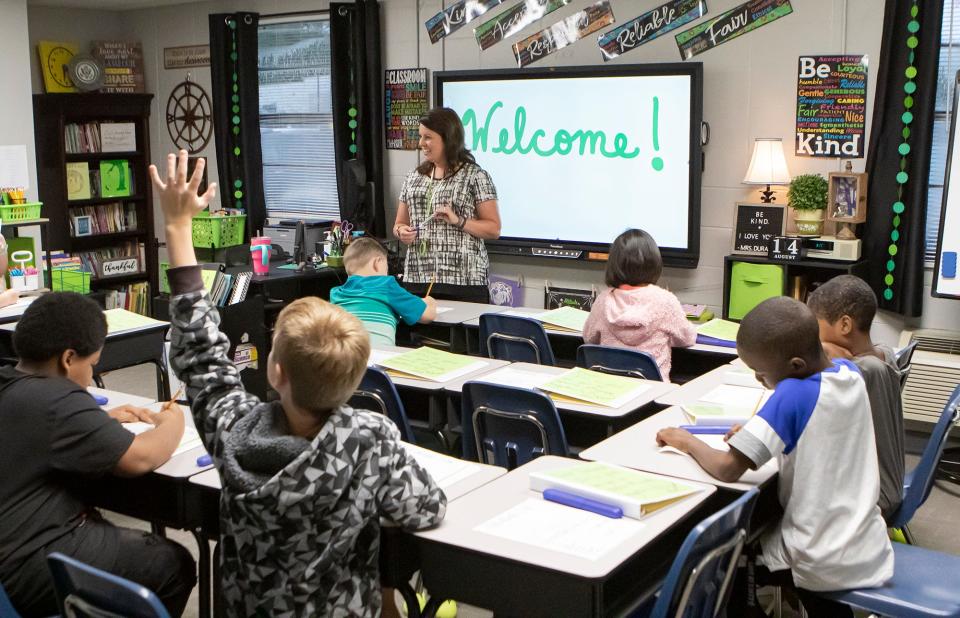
902	177
352	123
236	166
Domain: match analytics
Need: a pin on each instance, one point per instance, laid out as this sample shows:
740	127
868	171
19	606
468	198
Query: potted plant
808	198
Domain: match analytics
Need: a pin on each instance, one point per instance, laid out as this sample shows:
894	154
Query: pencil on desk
430	287
757	407
174	399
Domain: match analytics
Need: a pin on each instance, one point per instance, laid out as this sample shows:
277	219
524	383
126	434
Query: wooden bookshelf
52	113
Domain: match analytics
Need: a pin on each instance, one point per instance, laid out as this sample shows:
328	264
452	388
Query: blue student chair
618	361
377	392
925	584
701	577
514	338
918	482
507	426
6	607
87	592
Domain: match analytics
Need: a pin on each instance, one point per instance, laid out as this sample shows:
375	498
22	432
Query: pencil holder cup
335	261
18	282
260	254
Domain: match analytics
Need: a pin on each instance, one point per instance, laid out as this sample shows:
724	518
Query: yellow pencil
759	401
174	399
430	287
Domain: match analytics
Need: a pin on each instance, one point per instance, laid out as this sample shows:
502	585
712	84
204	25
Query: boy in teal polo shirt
375	297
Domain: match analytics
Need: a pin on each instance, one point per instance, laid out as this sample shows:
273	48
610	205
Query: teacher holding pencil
448	207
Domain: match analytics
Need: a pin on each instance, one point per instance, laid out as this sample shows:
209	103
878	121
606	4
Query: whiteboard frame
946	195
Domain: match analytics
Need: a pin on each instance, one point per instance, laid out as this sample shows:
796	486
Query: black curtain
898	158
356	83
236	113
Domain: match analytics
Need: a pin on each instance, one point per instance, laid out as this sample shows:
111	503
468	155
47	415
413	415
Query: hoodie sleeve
198	355
682	332
594	324
409	497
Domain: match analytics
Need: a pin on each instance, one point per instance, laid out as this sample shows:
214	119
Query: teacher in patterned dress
448	207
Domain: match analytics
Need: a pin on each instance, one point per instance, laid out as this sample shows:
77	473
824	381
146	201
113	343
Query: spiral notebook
240	287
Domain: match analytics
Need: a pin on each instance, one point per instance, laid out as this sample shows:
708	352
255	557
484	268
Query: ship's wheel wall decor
189	117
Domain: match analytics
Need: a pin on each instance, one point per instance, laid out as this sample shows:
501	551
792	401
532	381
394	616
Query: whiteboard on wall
946	274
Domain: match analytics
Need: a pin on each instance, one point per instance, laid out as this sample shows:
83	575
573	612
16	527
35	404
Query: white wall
16	103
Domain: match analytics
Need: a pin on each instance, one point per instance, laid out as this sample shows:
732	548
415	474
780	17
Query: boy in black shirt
53	435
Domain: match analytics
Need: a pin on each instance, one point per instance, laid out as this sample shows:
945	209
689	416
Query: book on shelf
81	138
115	178
225	289
108	218
132	253
132	297
78	181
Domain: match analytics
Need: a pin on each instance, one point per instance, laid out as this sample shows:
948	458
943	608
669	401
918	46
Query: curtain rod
296	13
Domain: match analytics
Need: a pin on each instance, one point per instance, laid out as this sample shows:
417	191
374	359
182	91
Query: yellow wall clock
54	58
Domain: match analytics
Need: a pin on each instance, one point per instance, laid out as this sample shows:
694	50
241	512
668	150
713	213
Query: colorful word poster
649	26
831	106
457	16
563	33
405	101
122	65
513	20
728	26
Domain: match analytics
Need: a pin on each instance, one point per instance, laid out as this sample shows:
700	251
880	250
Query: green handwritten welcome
562	143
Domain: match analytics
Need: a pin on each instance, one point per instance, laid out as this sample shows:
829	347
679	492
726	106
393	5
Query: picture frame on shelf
82	225
847	197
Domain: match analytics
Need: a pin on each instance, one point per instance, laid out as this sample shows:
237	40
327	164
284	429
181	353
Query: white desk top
154	325
525	312
455	476
695	389
12	313
713	349
636	447
489	365
655	390
466	514
116	398
453	312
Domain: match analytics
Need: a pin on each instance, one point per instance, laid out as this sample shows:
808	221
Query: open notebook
190	439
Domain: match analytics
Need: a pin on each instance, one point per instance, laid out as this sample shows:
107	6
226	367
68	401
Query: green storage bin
164	282
216	232
751	284
70	281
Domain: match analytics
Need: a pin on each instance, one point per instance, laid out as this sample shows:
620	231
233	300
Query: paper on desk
446	471
121	319
443	310
18	307
736	396
719	329
190	439
513	376
595	387
712	440
378	356
741	376
561	528
565	318
430	364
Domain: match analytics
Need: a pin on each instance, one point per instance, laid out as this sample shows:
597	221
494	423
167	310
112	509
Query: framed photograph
755	225
82	225
847	197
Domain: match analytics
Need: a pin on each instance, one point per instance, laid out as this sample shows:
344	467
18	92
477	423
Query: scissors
346	227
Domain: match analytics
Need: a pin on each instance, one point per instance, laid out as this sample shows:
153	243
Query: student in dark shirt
53	437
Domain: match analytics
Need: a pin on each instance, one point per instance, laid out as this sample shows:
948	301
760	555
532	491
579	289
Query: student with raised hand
845	307
306	479
817	424
54	438
634	312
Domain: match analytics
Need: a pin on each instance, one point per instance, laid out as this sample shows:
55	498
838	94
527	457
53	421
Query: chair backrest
507	426
904	355
514	338
6	607
618	361
84	591
377	392
699	581
919	482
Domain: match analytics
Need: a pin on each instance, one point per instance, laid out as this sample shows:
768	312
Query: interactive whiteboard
579	154
946	283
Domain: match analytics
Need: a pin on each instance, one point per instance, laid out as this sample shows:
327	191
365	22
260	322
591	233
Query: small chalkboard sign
786	248
755	225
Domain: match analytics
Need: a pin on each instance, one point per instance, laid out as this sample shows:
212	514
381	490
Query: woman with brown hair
448	207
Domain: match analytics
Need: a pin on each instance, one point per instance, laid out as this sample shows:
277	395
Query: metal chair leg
908	536
777	602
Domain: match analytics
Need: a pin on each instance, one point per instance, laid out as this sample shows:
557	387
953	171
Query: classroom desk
413	390
12	313
204	506
448	325
513	578
694	390
124	348
611	419
636	447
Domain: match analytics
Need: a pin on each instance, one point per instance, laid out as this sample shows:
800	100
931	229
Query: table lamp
767	166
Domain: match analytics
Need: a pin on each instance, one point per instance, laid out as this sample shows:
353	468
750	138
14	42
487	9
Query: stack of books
106	218
93	260
133	297
82	137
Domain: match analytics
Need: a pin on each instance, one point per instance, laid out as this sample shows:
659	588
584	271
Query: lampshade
768	165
